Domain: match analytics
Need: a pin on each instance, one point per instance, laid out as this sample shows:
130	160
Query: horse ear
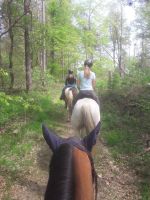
90	140
52	139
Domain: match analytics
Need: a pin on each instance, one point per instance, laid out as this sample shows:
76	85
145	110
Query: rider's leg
65	102
94	97
80	95
62	97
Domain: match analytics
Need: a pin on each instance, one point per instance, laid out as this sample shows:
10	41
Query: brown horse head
72	175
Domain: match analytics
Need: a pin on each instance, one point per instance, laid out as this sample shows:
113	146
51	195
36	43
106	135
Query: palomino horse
85	115
71	174
70	93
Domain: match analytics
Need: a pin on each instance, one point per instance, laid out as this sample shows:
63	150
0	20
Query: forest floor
115	181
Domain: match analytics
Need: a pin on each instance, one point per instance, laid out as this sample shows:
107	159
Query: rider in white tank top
86	82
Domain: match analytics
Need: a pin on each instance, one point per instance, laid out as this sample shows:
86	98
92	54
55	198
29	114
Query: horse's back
86	113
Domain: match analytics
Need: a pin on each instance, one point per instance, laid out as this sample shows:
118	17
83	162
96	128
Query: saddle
86	94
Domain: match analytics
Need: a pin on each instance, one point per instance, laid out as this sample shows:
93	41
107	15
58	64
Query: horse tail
87	118
69	96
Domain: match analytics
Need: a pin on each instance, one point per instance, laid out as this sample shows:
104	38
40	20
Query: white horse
86	115
70	93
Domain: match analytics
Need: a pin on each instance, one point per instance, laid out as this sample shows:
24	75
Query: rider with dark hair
86	81
69	82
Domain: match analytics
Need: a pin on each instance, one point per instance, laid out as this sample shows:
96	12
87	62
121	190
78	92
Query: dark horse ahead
71	175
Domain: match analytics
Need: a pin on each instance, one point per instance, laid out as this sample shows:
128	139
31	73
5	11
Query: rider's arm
93	83
78	83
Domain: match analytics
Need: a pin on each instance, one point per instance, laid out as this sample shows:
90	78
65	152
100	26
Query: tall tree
11	35
61	37
143	33
85	16
0	35
27	27
42	53
119	35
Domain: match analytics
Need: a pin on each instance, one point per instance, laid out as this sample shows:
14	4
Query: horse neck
84	189
70	175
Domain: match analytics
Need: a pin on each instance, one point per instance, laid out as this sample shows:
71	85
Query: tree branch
15	22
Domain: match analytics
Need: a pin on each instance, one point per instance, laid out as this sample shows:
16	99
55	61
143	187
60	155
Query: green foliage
125	124
101	68
135	77
62	37
116	81
3	73
20	135
12	106
145	191
39	77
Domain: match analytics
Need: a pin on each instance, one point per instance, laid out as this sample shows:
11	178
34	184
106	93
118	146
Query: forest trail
115	182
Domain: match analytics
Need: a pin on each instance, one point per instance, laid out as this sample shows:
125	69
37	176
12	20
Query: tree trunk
11	35
120	45
114	53
52	56
42	53
27	45
1	76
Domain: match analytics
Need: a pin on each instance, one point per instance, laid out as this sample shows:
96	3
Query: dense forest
42	39
39	41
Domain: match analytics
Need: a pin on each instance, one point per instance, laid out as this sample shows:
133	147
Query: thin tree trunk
52	55
114	53
11	59
1	77
11	35
27	45
120	44
62	64
42	52
43	21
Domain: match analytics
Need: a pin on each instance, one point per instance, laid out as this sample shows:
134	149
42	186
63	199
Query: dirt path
114	182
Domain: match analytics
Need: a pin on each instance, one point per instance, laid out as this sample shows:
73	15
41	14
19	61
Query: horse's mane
61	179
94	174
61	169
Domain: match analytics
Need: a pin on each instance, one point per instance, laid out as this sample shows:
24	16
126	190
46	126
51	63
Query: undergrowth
20	129
125	128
